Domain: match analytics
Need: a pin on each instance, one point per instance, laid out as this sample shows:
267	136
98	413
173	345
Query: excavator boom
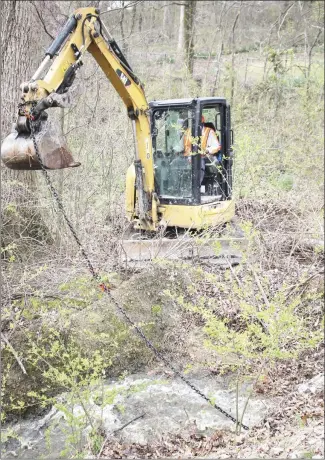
84	31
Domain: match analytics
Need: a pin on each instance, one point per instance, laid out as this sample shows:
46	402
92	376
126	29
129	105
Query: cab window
172	131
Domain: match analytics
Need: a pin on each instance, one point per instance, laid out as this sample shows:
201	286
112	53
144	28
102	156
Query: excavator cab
181	177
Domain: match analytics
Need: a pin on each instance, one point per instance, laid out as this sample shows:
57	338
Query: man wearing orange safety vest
209	144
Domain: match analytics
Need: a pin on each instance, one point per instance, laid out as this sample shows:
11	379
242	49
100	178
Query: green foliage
269	326
156	310
275	57
55	351
280	155
248	48
275	332
284	182
11	208
76	335
68	347
8	252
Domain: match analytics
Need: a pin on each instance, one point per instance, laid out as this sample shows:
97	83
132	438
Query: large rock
168	407
313	386
88	322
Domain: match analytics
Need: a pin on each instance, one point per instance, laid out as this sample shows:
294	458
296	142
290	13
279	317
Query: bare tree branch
42	20
284	15
49	10
124	7
13	351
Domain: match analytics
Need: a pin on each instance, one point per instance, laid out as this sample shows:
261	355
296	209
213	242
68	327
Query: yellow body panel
198	217
129	192
183	216
191	217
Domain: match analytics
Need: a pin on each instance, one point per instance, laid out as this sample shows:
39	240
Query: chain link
107	290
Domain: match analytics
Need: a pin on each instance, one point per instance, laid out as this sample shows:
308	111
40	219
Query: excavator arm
83	32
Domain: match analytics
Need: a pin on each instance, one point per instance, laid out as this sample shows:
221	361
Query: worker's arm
84	31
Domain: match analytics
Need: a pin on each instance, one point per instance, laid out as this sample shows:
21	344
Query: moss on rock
52	336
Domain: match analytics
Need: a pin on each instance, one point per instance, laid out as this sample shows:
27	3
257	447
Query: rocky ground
164	418
292	425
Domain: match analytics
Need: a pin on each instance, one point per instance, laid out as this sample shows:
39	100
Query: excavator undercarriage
223	250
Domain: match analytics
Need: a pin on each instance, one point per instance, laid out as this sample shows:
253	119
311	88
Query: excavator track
223	250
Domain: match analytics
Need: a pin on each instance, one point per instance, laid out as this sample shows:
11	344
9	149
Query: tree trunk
165	30
216	80
123	42
140	20
190	7
15	58
180	45
134	14
21	219
153	16
232	81
222	28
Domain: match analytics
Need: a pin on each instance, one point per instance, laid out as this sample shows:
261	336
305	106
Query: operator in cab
210	144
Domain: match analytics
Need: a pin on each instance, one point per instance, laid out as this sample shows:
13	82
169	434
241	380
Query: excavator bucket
18	151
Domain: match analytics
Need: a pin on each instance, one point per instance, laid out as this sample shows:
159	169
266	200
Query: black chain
106	289
60	204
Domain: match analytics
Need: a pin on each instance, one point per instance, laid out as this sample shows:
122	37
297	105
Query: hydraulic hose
69	26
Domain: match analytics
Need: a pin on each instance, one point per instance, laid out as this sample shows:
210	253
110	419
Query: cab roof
188	101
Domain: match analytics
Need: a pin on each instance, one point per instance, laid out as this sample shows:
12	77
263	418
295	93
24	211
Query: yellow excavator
164	189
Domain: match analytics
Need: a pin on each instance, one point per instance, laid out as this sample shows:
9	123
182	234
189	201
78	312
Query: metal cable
107	290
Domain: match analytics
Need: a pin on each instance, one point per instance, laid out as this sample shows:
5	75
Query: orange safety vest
188	141
204	140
